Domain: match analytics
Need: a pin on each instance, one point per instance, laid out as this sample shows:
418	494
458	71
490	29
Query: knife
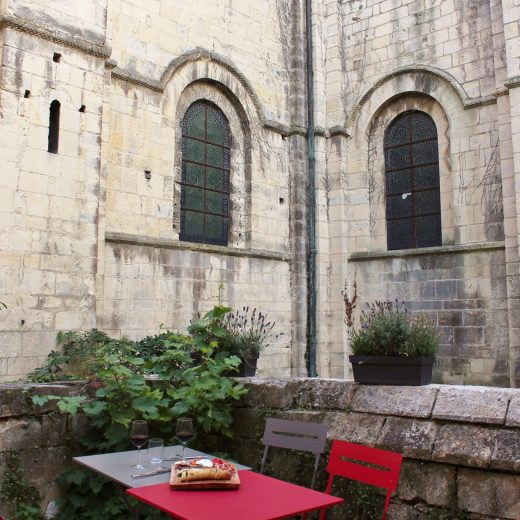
151	473
179	457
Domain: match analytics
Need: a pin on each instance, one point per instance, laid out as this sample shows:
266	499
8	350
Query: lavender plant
388	329
247	332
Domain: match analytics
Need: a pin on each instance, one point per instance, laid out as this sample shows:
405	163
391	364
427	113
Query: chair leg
264	456
387	504
323	512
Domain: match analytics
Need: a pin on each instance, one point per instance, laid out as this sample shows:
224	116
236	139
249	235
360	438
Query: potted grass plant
393	346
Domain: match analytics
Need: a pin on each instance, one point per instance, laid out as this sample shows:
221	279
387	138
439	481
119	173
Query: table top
258	498
118	466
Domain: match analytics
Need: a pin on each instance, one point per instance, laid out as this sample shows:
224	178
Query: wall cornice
512	82
56	36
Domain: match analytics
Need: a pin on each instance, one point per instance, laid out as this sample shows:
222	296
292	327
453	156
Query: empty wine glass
184	432
139	437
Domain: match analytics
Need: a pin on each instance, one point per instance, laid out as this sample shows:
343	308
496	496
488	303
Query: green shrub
78	356
388	329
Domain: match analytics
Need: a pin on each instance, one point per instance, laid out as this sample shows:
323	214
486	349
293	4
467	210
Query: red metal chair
356	462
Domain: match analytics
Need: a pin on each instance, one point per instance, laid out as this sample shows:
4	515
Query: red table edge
335	501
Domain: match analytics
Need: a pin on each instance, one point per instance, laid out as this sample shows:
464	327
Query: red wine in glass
139	440
184	432
139	437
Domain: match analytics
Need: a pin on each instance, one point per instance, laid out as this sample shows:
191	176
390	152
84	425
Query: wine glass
184	432
139	437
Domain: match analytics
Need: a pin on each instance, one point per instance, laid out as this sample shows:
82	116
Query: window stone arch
376	168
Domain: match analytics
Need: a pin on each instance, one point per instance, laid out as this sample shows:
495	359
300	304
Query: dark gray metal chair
295	435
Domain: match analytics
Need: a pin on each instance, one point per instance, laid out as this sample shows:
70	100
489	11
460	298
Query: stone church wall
89	236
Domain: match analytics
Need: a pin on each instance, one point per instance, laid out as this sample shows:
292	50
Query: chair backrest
371	466
295	435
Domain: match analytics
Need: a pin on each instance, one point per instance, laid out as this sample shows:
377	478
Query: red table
258	498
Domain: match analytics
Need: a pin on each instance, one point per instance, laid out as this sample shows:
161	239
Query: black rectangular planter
392	370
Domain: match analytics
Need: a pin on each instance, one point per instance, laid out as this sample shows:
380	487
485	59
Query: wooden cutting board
233	483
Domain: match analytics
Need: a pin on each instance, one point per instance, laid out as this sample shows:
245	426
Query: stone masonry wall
38	437
463	293
169	55
48	201
461	444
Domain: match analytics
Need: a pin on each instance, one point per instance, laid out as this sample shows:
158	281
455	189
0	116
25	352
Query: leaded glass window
413	205
205	186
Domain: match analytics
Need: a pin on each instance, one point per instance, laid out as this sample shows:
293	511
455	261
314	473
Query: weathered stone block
54	429
398	511
433	484
411	437
506	455
486	493
410	401
472	404
271	393
62	390
12	400
19	434
465	445
354	427
513	413
326	394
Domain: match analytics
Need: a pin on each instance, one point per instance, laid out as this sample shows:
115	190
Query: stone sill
165	243
440	250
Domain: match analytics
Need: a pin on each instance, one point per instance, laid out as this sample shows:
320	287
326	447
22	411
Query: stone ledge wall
461	443
39	437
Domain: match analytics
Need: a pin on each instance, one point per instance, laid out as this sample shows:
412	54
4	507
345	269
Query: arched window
54	127
413	206
205	175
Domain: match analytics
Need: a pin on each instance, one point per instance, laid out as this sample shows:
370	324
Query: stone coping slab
477	404
406	401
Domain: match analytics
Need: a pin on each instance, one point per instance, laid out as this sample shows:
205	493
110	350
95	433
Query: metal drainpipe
311	202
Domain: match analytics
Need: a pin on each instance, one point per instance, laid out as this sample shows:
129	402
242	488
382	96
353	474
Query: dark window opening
413	206
205	187
27	94
82	108
54	127
56	57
